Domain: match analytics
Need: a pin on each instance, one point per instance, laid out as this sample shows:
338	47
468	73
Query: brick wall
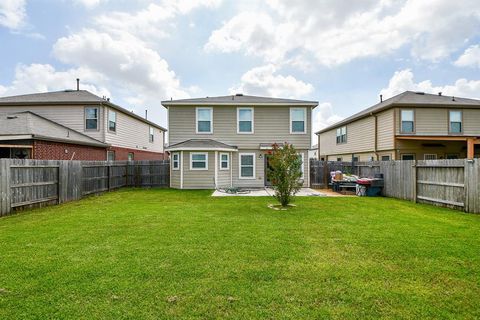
47	150
122	154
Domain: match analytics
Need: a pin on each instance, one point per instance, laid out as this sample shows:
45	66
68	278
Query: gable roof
201	145
28	125
240	99
69	97
410	99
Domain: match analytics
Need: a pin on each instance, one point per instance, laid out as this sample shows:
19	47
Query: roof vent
440	93
12	117
69	90
420	92
453	98
239	94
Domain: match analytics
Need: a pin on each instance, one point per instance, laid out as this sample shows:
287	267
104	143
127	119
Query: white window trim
228	161
413	121
177	161
304	120
196	119
238	120
85	118
151	134
108	121
240	166
206	161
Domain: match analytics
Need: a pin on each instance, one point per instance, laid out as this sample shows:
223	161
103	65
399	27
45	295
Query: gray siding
434	121
360	138
386	130
132	133
271	124
198	179
71	116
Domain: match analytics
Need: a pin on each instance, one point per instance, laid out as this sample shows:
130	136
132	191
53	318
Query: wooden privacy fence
450	183
27	183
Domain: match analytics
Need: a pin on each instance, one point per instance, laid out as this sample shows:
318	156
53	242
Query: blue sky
341	53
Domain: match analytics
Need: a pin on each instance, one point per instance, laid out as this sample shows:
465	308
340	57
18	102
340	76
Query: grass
168	254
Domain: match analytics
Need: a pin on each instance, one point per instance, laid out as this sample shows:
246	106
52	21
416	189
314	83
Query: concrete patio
268	192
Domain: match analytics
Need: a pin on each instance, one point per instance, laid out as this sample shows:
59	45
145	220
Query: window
91	118
247	166
408	123
198	161
151	134
175	161
131	156
110	155
244	120
430	156
385	158
298	120
224	161
452	156
112	121
204	120
339	159
342	135
408	157
455	121
355	159
301	156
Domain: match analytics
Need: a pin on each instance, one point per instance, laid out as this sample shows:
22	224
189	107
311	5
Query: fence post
5	192
414	180
109	174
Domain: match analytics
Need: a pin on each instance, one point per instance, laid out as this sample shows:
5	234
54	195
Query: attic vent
239	94
420	92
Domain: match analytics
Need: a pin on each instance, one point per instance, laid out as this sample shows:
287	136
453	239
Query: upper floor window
204	120
408	121
455	118
245	120
342	135
112	121
151	134
298	120
91	118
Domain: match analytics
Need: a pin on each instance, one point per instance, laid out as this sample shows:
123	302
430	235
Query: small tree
284	172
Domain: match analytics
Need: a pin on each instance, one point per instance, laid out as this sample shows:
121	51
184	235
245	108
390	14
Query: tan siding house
222	142
411	125
127	135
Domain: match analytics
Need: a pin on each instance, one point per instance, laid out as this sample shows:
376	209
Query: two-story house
75	125
226	141
408	126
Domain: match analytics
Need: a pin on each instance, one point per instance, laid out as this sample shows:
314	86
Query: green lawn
157	254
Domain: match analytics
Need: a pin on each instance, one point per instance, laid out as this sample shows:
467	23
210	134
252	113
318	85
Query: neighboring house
313	152
26	135
411	125
227	141
123	134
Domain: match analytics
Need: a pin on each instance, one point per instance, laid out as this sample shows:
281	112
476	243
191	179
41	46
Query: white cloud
470	58
152	22
264	81
339	32
324	116
404	80
89	4
125	62
43	77
12	14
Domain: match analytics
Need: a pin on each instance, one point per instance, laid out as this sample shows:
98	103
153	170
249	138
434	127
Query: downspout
376	135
